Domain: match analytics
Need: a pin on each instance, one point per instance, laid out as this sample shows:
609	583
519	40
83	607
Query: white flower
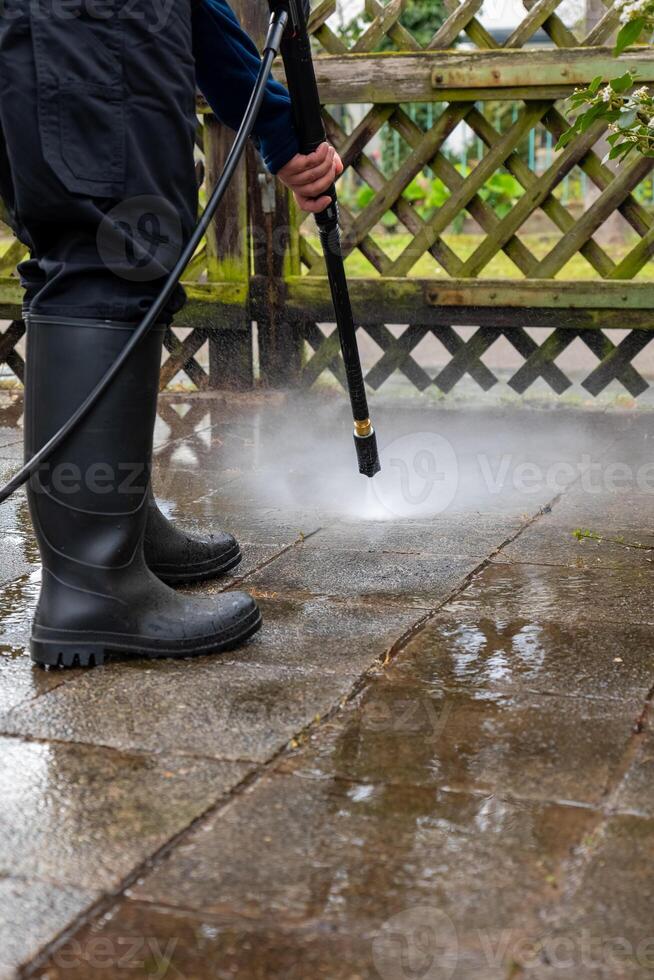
606	94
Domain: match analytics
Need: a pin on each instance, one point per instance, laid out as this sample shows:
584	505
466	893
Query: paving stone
605	930
266	525
19	553
517	743
629	508
254	556
450	535
496	652
169	942
363	576
636	794
11	450
84	817
558	545
18	601
351	856
21	681
341	638
464	777
201	707
31	914
538	593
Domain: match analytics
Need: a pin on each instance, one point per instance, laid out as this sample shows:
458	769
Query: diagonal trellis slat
385	87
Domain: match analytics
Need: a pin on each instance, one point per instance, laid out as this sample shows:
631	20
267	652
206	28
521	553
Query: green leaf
593	88
628	35
627	119
566	137
622	83
588	118
620	150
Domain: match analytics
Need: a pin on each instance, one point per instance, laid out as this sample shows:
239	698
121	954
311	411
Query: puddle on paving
495	703
19	595
550	593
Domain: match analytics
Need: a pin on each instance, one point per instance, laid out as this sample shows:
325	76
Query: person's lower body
97	172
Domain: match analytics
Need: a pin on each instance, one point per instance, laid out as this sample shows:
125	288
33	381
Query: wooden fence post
275	255
275	247
228	260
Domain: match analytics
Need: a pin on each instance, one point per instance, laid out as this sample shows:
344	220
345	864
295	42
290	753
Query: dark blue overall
97	112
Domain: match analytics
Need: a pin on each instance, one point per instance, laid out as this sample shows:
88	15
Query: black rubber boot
90	504
179	557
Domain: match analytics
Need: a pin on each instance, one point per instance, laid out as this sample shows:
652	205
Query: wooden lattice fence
261	262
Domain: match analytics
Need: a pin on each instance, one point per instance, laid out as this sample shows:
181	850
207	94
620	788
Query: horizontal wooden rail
523	302
606	303
451	76
216	305
614	303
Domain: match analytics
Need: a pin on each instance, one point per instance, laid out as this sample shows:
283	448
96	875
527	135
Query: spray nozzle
367	452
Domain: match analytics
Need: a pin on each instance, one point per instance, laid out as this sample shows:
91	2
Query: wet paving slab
603	930
515	743
534	593
21	681
346	859
192	944
452	535
636	793
379	763
203	707
95	814
364	576
31	913
495	651
581	547
317	634
630	508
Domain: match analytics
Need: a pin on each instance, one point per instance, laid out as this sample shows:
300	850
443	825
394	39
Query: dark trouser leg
98	120
102	190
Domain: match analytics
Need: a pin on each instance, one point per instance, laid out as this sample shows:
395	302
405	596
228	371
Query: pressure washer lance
307	114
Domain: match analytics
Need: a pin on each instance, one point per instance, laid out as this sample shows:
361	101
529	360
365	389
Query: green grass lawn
501	267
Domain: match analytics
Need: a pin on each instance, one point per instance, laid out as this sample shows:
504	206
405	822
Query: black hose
278	23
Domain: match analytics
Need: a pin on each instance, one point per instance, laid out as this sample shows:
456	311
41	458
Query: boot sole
95	652
198	573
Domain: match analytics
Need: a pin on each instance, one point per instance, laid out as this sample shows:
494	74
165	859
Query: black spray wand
307	113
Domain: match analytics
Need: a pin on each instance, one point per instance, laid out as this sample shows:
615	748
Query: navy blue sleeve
226	66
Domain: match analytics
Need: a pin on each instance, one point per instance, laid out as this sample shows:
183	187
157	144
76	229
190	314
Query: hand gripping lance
307	114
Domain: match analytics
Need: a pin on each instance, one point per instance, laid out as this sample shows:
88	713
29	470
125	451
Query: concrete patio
434	761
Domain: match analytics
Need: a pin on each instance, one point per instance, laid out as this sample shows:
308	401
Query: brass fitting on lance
363	429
